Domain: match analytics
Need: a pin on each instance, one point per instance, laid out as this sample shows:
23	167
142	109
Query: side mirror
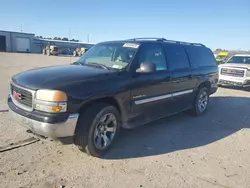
146	68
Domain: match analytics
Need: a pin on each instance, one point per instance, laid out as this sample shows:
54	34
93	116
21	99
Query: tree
65	39
74	40
55	38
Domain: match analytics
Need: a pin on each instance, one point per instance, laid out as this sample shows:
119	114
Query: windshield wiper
98	65
76	63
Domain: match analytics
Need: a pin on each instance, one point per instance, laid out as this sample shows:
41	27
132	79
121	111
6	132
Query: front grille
21	96
233	72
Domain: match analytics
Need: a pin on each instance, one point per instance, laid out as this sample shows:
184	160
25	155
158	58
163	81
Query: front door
151	92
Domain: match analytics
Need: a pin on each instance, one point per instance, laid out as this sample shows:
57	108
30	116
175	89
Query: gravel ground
181	151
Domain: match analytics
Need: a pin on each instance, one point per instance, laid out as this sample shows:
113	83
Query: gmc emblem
17	96
231	71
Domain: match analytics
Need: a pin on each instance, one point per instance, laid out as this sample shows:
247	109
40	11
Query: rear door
182	80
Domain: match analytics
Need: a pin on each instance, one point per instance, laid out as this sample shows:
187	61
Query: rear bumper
64	128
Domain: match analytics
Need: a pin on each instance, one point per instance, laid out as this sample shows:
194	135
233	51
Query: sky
217	24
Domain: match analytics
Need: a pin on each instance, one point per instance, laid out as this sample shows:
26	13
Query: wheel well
206	84
108	100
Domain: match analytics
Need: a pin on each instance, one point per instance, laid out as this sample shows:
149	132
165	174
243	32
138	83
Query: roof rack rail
165	40
148	38
187	43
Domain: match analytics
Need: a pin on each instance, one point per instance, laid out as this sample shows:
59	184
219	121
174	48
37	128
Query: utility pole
88	38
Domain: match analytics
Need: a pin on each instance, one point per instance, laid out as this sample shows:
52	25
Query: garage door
22	44
2	44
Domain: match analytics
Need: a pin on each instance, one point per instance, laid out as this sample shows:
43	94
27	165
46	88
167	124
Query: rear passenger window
200	56
176	57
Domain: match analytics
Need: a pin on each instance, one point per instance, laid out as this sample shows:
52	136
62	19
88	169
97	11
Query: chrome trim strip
152	99
19	104
182	92
72	116
142	101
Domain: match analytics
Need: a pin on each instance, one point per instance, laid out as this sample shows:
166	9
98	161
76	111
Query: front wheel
201	102
97	129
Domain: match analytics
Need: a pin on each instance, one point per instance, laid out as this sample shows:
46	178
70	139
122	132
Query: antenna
88	38
69	45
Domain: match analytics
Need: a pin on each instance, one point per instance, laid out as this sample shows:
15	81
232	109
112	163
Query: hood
235	65
57	76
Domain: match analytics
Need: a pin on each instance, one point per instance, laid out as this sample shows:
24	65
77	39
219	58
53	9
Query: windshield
116	55
240	59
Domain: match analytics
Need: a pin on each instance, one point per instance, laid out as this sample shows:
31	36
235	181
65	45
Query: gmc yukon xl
114	85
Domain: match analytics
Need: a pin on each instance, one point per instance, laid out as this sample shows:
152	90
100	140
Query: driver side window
152	53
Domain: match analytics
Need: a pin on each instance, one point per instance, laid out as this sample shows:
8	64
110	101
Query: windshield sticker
117	67
131	45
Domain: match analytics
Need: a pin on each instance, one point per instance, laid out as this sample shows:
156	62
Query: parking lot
181	151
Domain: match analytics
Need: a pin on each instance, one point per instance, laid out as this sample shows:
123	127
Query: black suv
114	85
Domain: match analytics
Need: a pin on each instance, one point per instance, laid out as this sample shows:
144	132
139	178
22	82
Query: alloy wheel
105	131
203	101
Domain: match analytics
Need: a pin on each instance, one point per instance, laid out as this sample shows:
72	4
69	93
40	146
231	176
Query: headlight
248	73
53	101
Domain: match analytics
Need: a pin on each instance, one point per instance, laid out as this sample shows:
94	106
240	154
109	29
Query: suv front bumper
243	83
51	126
229	80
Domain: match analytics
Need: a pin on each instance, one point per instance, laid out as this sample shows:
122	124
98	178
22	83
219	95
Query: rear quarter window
200	56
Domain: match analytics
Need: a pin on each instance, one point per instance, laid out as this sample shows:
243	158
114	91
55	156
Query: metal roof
17	32
50	40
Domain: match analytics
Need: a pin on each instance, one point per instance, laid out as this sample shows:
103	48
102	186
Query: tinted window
152	53
200	56
176	56
240	59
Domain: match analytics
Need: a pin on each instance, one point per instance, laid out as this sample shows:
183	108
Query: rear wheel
201	102
97	129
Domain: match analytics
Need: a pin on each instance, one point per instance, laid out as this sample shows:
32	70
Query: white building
27	42
15	42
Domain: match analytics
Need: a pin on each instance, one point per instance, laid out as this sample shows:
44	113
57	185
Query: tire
197	110
87	125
